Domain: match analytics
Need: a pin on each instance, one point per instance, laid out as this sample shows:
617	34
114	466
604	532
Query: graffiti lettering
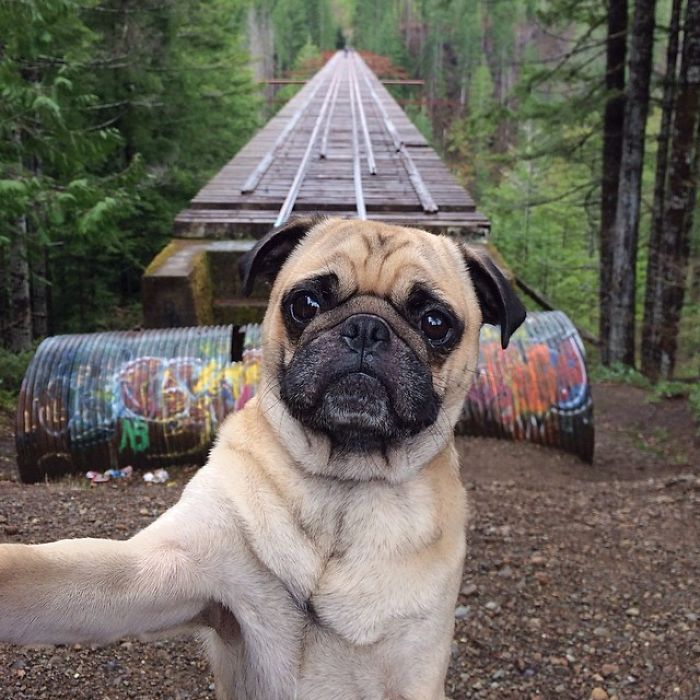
134	436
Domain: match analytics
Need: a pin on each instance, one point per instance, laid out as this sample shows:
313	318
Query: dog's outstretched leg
93	590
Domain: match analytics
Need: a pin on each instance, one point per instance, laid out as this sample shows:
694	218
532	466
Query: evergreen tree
114	113
49	148
613	123
621	342
667	279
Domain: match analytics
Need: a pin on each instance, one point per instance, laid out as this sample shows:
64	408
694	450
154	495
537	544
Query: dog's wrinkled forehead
373	258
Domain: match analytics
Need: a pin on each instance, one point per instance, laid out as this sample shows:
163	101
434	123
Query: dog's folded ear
499	304
270	252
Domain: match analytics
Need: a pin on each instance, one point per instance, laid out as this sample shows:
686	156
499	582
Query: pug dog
319	552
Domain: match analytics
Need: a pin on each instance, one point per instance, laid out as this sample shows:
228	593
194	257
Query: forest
575	125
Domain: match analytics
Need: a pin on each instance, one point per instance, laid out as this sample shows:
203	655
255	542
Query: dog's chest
333	580
339	643
356	636
359	552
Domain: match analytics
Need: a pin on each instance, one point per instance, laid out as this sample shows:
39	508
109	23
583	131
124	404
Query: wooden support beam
300	81
408	83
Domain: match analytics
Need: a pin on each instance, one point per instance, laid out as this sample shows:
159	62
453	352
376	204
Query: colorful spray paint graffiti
112	399
152	398
185	398
536	390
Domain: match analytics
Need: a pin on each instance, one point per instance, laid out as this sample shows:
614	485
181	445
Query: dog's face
370	341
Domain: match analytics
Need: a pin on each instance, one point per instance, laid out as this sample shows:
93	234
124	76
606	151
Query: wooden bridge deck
341	146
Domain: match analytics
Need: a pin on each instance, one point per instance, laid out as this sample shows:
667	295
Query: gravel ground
580	582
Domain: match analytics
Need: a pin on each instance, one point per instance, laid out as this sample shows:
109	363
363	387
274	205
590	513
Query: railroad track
342	145
348	73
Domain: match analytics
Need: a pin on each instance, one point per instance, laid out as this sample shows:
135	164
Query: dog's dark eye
436	326
304	306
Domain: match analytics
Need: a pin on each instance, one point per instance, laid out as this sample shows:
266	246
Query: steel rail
294	188
324	139
262	167
356	164
388	124
355	85
423	193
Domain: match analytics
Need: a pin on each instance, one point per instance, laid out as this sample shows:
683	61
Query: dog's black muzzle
360	383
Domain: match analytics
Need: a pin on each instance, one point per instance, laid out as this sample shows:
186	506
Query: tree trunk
653	312
20	336
626	229
40	294
613	122
40	272
261	42
682	186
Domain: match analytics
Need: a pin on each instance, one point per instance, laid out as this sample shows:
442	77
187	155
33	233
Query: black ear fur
270	252
499	303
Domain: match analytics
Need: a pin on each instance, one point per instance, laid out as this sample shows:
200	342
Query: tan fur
301	584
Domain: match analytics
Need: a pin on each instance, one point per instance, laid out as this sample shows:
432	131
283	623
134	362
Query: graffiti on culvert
537	389
134	436
158	389
183	399
541	379
146	398
154	397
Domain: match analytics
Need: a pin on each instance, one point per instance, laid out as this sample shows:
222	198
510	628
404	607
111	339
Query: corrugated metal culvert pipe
536	390
156	397
145	398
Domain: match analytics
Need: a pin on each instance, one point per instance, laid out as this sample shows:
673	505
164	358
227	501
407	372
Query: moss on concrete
161	258
201	289
238	314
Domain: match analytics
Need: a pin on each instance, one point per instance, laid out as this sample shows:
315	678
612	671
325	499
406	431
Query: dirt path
578	578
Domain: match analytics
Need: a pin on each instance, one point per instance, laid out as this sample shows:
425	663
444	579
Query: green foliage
12	369
537	226
514	96
619	374
669	389
113	114
308	54
422	120
377	28
300	23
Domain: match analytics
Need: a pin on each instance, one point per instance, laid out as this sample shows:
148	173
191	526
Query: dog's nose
365	332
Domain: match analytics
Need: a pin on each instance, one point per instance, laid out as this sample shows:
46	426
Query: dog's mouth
357	411
357	401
